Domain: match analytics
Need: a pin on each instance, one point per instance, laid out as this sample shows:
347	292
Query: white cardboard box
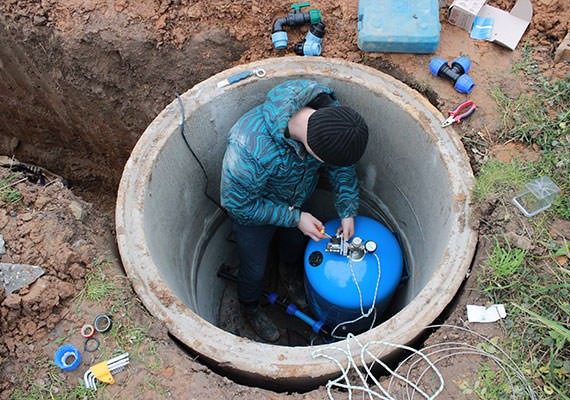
508	27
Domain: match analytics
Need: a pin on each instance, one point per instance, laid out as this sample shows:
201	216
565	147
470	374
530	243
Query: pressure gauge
370	246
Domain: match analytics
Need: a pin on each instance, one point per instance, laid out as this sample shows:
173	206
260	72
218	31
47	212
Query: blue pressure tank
344	280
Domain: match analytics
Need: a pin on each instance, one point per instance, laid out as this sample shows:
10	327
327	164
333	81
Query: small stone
76	210
39	20
520	242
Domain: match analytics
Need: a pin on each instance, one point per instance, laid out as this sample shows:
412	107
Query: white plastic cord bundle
447	350
370	310
431	355
377	391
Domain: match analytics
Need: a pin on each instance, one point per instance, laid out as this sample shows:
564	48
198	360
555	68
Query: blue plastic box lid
398	26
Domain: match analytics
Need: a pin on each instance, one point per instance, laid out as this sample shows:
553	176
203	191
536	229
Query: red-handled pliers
462	111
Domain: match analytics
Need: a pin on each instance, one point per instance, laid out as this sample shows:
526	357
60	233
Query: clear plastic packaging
538	195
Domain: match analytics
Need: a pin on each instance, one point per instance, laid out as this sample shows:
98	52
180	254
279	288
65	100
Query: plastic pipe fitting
457	73
311	46
67	357
294	18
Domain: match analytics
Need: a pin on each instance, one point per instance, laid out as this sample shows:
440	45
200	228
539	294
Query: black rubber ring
98	319
86	344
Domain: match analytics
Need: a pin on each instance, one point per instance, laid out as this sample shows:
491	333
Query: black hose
183	118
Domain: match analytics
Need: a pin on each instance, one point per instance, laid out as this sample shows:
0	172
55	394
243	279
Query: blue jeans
253	243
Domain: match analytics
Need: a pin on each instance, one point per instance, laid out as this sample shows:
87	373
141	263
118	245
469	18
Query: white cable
364	387
372	307
455	349
467	349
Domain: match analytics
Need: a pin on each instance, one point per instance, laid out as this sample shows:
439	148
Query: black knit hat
337	135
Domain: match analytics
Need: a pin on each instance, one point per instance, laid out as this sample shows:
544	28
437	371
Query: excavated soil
79	83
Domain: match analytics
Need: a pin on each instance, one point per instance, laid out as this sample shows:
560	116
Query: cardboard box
462	13
508	27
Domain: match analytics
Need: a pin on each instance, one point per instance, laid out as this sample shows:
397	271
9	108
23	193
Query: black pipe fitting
293	18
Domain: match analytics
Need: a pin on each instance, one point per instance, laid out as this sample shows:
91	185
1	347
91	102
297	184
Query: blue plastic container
398	26
334	283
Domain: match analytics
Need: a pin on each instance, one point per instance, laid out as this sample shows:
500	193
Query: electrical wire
182	121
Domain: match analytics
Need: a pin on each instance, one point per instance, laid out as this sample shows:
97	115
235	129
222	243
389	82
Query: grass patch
534	288
99	287
50	386
504	180
535	292
7	192
504	263
539	119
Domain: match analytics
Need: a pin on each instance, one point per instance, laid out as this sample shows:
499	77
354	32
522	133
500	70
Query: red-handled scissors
462	111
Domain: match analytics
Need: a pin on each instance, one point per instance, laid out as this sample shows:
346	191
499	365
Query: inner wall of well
402	177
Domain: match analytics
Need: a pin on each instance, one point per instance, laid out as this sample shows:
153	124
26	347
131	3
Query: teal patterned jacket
267	176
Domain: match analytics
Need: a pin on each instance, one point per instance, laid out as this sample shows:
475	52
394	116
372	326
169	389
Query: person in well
271	167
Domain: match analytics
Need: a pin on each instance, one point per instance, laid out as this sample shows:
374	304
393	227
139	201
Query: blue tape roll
67	357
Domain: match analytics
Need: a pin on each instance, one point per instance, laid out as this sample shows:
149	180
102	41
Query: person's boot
293	283
296	294
261	324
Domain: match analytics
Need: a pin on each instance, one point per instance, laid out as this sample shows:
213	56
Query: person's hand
311	227
347	228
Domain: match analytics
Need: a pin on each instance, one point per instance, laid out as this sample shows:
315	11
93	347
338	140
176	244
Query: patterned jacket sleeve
345	184
243	178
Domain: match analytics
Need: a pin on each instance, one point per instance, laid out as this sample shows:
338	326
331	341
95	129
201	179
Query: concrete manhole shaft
172	237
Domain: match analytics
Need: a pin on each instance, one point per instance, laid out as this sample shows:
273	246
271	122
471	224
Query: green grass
534	288
540	118
536	293
504	263
498	179
7	193
52	386
99	287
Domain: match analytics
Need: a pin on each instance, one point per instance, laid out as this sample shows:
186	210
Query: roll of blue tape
67	357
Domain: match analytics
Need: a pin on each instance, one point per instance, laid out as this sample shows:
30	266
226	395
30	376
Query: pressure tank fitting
294	18
457	73
311	45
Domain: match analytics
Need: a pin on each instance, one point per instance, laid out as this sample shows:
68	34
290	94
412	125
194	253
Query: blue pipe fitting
279	40
67	357
457	73
311	46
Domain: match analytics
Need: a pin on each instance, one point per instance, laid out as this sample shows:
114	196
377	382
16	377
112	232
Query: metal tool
102	371
462	111
259	72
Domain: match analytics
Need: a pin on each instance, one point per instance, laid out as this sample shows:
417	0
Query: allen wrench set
104	370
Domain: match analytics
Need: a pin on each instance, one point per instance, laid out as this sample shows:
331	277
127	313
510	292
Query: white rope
439	351
372	308
380	392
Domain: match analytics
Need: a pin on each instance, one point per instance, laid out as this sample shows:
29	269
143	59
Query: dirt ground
79	83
